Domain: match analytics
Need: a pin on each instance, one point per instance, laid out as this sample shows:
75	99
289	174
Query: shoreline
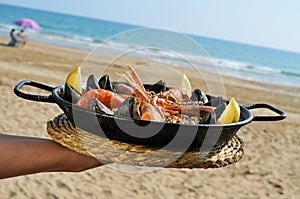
255	84
4	40
269	168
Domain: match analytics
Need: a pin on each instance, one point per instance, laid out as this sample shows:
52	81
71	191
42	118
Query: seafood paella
157	102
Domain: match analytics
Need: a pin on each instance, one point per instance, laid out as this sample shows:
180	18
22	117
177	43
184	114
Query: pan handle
281	114
38	98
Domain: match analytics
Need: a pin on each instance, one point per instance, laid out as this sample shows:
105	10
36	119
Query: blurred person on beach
28	155
13	39
22	38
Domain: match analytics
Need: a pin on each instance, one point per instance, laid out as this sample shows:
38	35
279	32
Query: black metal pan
158	134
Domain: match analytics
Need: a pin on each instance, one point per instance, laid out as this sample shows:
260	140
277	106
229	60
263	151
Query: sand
270	167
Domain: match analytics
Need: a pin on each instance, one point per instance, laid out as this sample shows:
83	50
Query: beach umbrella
27	23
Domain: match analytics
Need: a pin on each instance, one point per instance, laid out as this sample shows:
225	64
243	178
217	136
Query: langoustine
142	104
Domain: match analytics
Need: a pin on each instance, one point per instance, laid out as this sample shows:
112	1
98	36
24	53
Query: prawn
108	98
148	107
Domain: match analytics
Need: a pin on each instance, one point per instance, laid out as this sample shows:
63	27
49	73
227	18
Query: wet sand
270	167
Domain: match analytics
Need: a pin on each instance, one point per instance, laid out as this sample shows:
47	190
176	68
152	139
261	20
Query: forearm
24	155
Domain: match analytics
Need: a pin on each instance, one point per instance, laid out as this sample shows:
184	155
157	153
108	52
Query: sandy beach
270	167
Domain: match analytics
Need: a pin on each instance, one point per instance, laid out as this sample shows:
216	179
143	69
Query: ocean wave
288	73
72	37
6	27
245	66
256	72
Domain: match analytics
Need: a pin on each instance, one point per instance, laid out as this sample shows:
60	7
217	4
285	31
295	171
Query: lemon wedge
186	86
231	113
74	79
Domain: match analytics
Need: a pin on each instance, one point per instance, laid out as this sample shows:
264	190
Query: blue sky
269	23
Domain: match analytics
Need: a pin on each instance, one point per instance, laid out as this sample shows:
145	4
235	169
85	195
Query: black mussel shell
198	95
158	87
212	116
128	109
92	83
215	102
96	106
209	118
105	83
70	94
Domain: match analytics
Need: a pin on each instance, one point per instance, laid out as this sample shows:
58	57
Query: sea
229	58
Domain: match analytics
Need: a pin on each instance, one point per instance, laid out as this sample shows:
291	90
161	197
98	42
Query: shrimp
175	95
135	82
108	98
148	107
188	109
150	112
124	89
165	102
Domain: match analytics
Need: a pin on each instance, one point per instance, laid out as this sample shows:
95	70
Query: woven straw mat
63	132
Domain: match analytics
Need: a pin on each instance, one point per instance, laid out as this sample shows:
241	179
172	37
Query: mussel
70	94
105	83
128	109
92	83
96	106
158	87
215	102
213	116
198	95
